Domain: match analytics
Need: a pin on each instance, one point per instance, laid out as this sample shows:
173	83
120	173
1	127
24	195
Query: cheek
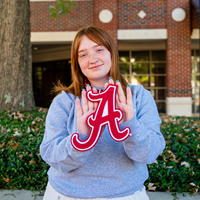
108	60
82	64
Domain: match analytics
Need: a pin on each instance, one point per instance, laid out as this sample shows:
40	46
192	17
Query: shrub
21	166
177	169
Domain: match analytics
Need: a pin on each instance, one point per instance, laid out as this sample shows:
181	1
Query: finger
78	107
118	104
117	101
88	87
95	91
122	97
84	101
90	104
106	84
110	80
129	96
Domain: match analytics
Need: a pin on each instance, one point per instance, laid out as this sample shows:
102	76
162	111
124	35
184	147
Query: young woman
111	169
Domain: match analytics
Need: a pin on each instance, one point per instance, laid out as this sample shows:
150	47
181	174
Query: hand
123	103
84	111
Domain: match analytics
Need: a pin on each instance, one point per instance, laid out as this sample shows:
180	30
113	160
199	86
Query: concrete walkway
28	195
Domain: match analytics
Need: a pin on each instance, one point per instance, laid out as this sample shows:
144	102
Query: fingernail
110	77
77	97
88	85
83	89
117	81
93	86
106	81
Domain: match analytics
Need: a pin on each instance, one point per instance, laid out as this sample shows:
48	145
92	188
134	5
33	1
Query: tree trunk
16	92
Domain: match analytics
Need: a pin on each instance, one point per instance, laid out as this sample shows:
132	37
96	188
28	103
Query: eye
100	49
83	55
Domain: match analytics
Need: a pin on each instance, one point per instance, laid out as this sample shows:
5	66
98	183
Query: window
195	81
147	68
45	75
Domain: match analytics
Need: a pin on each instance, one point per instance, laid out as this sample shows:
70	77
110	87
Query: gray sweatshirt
111	169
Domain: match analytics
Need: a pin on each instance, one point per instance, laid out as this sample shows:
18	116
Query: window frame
150	74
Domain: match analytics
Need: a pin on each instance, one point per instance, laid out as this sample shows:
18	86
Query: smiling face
94	61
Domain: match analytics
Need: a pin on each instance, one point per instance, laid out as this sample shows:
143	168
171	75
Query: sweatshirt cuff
82	136
75	153
133	124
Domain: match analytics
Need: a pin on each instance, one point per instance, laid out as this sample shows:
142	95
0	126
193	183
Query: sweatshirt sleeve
56	149
146	142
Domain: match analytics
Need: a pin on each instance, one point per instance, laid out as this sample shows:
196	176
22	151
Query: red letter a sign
106	113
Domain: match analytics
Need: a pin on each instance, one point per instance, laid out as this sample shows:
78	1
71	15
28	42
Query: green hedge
177	169
21	166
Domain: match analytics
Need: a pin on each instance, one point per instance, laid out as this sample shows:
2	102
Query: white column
179	106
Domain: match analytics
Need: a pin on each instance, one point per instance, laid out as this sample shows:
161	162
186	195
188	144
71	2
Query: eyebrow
86	49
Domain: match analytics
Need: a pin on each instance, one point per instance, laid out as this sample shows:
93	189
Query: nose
93	58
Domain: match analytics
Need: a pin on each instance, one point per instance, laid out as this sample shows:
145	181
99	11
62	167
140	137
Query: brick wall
128	14
86	13
110	27
81	16
178	51
195	18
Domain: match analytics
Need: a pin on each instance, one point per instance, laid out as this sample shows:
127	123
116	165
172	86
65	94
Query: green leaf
62	7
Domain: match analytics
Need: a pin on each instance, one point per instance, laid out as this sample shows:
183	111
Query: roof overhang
195	3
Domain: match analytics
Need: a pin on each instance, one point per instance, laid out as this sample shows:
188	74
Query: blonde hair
101	37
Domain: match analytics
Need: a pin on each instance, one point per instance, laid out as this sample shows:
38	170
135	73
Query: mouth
96	66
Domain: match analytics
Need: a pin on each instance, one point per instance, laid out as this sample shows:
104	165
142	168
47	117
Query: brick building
158	43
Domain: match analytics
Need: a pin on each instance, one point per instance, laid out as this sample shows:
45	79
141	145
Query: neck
98	83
